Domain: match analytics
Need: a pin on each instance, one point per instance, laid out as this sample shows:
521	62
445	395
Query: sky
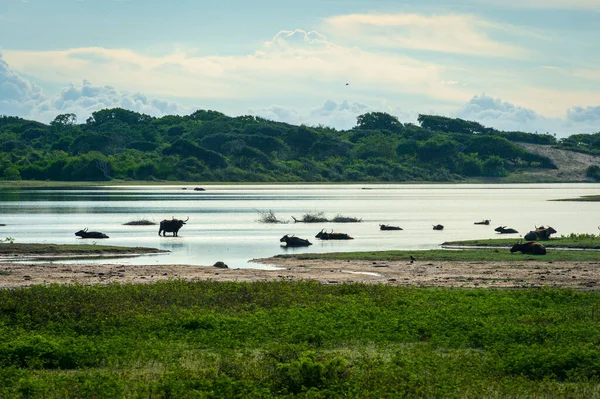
529	65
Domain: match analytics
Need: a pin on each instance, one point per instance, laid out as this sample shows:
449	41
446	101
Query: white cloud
288	38
585	114
503	115
339	115
20	97
17	95
278	114
342	115
295	63
459	34
593	5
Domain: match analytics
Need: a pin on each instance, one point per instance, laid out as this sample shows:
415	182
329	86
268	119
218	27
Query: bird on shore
412	259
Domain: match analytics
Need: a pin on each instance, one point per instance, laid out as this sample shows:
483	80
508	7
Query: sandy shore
577	275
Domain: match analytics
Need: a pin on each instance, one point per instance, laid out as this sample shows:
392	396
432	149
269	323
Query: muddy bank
576	275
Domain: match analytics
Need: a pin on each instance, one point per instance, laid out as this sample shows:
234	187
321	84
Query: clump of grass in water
318	217
269	217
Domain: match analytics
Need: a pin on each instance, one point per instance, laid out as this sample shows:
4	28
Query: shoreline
579	275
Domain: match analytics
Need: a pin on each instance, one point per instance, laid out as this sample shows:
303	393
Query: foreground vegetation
181	339
209	146
578	241
70	249
459	255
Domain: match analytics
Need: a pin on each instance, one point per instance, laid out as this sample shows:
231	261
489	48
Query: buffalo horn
188	218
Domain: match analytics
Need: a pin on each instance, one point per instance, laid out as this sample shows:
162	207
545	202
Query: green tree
593	172
64	120
436	148
11	173
376	146
378	121
494	166
470	164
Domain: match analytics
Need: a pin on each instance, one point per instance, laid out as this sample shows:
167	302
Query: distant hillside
210	146
571	166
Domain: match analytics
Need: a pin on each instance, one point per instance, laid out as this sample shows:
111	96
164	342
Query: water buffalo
540	233
544	233
485	222
323	235
438	227
293	241
504	230
531	248
90	234
171	226
388	227
531	236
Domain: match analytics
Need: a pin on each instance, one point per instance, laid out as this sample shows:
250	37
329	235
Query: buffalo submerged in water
90	234
323	235
504	230
293	241
171	226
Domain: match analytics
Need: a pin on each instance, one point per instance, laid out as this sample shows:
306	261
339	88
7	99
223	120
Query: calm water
223	219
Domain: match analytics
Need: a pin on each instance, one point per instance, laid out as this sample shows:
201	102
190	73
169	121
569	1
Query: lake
223	220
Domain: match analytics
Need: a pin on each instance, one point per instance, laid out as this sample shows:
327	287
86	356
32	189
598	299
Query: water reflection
224	225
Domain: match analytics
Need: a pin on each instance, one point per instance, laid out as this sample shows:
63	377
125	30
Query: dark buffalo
323	235
90	234
293	241
485	222
171	226
438	227
504	230
544	233
531	248
540	233
388	227
531	236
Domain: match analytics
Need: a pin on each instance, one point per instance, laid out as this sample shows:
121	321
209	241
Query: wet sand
576	275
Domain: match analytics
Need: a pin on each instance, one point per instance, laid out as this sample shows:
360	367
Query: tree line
211	146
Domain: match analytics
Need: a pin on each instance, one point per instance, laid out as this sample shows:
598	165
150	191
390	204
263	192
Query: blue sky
527	65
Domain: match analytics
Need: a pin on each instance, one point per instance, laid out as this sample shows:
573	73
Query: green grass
459	255
207	339
581	241
71	249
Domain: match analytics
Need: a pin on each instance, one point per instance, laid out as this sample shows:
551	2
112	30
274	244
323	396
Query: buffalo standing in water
504	230
323	235
293	241
388	227
531	248
484	222
171	226
90	234
438	227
